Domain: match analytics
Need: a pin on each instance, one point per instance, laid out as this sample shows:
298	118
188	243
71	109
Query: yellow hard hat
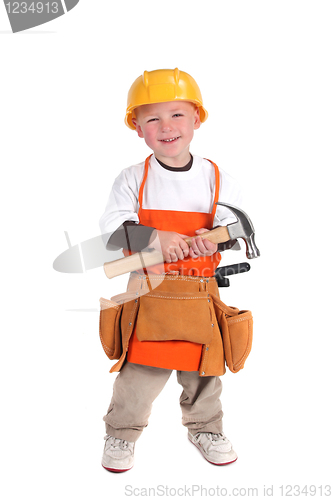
163	85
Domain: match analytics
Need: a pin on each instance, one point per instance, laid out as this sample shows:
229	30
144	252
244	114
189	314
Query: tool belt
191	313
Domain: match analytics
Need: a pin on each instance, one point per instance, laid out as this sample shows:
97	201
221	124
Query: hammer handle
132	263
217	235
145	259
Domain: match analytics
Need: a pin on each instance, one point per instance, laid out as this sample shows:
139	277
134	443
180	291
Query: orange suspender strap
217	188
143	182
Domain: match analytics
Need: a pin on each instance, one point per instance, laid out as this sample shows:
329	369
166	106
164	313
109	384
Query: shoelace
217	437
116	443
212	437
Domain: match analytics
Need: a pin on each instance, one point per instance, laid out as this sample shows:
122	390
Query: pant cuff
214	428
130	435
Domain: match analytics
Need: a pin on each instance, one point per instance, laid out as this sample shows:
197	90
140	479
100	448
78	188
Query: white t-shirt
187	191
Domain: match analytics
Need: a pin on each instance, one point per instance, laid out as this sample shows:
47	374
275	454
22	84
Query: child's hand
172	245
200	246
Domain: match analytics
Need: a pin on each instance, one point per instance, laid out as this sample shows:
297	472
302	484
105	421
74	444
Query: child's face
168	128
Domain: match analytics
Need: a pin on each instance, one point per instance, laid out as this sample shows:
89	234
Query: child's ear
197	121
137	128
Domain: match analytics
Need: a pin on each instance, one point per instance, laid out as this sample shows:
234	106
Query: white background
265	72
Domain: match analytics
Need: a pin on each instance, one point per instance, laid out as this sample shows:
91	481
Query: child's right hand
172	245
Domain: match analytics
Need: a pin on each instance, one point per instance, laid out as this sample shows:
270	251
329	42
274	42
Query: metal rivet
201	281
130	324
208	300
212	324
207	348
136	300
202	373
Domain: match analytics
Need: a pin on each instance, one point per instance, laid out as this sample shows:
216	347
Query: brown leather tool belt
174	307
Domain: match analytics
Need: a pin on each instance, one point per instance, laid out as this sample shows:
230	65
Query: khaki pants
137	386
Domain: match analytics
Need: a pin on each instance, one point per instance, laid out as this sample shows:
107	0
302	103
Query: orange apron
175	354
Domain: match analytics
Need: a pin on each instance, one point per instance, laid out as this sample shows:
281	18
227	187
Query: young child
160	202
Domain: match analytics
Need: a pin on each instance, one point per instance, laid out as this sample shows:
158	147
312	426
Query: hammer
243	228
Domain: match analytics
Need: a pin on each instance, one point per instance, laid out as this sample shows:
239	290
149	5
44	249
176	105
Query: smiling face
168	128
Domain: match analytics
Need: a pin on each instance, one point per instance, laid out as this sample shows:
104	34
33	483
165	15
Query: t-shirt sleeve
122	204
119	223
231	193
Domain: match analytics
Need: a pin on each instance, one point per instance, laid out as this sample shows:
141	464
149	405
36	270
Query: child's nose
166	125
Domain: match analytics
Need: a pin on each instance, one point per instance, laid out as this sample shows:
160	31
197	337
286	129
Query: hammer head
244	229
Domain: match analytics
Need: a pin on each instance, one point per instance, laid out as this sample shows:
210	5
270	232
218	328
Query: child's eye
177	114
152	120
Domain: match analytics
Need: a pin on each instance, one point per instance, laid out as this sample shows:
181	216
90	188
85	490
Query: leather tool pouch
110	319
237	329
109	328
175	316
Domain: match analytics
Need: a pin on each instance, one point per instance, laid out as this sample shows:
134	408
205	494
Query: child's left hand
201	246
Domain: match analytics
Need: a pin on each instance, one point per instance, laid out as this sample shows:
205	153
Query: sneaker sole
214	463
116	470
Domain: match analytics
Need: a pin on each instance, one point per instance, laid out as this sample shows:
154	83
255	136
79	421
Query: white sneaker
216	448
118	454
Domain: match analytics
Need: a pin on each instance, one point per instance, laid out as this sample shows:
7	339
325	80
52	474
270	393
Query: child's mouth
172	139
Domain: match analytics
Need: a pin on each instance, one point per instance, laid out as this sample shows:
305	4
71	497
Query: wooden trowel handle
145	259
